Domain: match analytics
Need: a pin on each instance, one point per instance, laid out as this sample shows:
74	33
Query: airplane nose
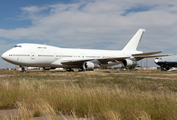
4	56
156	61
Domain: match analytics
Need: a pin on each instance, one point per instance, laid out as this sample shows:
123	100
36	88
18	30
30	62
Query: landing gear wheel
23	69
167	68
162	69
69	70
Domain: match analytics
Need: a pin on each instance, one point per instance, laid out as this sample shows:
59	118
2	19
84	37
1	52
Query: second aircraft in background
166	63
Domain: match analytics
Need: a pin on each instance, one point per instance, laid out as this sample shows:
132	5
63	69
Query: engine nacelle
89	65
129	63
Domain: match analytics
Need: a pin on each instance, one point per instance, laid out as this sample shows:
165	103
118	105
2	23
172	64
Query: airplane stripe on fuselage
169	63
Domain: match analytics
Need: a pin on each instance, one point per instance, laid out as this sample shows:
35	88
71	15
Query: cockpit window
156	58
17	46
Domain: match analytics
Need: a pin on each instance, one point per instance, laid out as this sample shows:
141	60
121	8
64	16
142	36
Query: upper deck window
17	46
42	47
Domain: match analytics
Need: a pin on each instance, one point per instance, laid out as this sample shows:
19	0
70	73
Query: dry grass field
95	95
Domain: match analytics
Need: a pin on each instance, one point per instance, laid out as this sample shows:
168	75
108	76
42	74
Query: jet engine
89	65
129	63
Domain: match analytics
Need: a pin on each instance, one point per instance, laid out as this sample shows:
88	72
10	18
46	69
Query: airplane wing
100	60
105	61
74	62
147	55
112	59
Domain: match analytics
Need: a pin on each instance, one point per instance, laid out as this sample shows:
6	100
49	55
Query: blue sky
95	24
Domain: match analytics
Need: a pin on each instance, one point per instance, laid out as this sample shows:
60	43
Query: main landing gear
82	70
69	70
23	69
165	68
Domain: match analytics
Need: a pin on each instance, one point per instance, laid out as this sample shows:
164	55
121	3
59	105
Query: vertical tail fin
133	44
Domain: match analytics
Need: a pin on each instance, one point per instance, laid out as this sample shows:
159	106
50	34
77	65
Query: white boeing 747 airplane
38	55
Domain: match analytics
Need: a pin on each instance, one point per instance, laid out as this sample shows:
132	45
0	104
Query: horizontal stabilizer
150	56
149	53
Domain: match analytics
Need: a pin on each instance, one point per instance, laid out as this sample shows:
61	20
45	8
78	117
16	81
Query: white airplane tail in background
133	44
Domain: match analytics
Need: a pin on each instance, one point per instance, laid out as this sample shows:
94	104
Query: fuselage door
32	55
56	56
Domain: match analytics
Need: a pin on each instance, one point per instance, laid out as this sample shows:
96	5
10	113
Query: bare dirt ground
6	114
15	113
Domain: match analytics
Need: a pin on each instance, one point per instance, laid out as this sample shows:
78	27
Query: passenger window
17	46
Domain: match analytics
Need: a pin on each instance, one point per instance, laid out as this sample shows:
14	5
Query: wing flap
113	59
75	62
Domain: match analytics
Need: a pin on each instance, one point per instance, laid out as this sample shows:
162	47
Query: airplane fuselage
37	55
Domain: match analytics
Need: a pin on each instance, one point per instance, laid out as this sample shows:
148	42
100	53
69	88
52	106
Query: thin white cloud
32	12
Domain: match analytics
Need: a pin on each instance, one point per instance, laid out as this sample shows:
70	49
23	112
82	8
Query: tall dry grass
109	96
